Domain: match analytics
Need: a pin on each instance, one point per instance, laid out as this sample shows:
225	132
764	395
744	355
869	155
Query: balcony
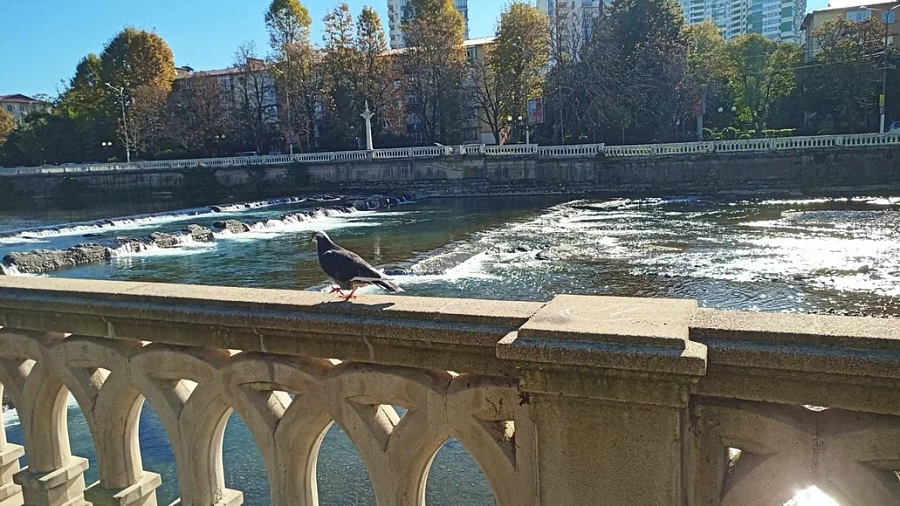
579	401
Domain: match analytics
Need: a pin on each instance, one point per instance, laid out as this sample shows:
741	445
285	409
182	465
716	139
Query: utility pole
121	92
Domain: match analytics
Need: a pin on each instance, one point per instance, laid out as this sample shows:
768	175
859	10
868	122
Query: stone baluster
10	492
607	381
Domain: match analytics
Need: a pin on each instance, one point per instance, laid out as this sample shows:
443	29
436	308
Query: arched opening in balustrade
81	443
156	453
243	463
455	479
810	496
341	475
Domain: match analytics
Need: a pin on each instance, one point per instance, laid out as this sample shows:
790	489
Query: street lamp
887	17
121	92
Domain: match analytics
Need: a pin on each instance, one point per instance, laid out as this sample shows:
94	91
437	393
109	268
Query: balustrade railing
575	150
583	400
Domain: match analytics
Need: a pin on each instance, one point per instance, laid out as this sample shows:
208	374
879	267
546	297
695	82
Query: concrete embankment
826	171
46	260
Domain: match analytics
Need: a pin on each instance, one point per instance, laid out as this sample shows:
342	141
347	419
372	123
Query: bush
744	135
729	133
826	131
708	134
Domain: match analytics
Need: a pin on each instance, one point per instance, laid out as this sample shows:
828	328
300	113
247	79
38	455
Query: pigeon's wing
344	265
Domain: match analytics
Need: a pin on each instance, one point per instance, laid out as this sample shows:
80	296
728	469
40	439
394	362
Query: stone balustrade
579	401
853	141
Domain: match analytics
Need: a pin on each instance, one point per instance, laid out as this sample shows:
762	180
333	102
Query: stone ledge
613	320
785	329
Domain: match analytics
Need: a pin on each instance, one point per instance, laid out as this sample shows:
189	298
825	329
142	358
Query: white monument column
367	115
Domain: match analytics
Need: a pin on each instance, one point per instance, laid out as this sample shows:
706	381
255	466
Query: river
804	255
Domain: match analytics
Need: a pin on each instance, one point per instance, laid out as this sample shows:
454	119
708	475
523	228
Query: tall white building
577	15
773	19
395	19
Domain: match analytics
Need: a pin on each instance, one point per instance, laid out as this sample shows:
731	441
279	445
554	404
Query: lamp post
106	145
121	92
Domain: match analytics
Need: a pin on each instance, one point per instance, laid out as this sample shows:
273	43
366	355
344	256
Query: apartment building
254	80
778	20
395	20
19	106
883	10
576	16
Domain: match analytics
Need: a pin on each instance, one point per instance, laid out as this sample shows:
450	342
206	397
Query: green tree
435	63
376	72
842	82
520	57
762	75
7	125
706	73
341	65
288	23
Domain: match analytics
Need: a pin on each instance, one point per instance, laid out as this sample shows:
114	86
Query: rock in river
43	260
198	233
233	226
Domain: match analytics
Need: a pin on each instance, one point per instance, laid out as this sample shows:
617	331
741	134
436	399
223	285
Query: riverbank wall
827	171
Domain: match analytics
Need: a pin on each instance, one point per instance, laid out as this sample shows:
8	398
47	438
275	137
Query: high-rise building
575	15
395	19
773	19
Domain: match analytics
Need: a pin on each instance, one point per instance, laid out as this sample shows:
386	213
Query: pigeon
347	269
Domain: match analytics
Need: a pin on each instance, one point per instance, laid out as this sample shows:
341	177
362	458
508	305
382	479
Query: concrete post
367	115
608	381
10	493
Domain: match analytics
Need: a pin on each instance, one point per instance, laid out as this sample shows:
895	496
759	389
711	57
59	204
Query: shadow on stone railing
580	401
469	150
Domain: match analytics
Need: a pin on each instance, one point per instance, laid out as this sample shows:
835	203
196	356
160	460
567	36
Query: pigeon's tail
383	283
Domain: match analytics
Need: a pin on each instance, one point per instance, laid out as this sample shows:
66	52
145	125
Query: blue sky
41	41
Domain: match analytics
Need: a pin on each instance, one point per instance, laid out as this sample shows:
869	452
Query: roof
17	97
483	41
838	5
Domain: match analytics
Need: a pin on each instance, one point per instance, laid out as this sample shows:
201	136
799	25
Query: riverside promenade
824	165
581	400
480	150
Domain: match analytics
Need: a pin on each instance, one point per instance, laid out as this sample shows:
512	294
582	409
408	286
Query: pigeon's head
318	234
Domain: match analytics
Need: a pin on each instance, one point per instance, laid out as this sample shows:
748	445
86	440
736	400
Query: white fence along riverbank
531	150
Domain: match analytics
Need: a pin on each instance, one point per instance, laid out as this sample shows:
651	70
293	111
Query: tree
199	117
288	23
706	71
762	74
842	82
299	85
255	108
148	119
489	95
520	56
375	72
135	58
435	64
341	69
7	125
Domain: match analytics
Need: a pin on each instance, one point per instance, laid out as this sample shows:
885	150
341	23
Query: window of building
9	108
397	84
859	15
471	53
470	134
21	108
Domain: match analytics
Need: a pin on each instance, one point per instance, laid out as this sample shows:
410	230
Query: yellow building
859	13
19	106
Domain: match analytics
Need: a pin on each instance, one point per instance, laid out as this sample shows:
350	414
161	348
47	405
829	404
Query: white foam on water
186	246
10	270
324	219
259	204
